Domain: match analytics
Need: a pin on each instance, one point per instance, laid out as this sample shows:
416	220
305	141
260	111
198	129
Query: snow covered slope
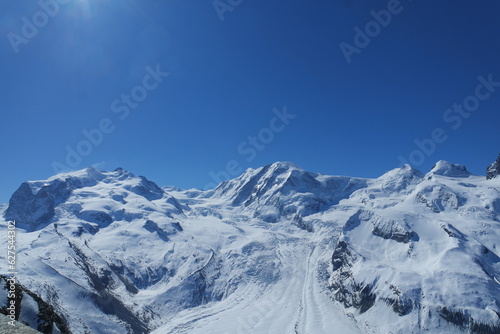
276	250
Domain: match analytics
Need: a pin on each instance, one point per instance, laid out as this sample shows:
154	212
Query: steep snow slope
276	250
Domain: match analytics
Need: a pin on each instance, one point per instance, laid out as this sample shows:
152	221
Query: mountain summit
493	170
275	250
446	168
35	203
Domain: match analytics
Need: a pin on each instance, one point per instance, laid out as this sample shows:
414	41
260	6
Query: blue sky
103	64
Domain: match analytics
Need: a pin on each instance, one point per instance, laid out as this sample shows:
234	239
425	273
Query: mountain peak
400	178
271	174
43	197
407	167
284	165
284	189
449	169
493	170
403	170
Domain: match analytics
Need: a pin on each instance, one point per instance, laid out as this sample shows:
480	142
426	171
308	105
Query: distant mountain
275	250
493	170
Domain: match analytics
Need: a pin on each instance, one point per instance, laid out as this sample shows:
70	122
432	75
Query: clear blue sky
226	77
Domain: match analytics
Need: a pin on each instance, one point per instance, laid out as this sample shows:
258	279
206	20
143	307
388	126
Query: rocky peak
256	182
493	170
284	190
33	203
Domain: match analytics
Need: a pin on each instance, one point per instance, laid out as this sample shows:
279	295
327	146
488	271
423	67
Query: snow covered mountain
276	250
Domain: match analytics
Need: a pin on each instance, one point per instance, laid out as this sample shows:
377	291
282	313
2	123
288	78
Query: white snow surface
263	253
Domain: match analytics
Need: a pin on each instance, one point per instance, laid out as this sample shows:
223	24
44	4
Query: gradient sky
227	76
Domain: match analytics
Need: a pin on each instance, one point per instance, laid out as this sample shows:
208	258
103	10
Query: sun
85	7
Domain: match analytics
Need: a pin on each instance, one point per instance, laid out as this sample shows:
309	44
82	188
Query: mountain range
276	250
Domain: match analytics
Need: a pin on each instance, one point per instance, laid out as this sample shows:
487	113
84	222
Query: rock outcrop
493	170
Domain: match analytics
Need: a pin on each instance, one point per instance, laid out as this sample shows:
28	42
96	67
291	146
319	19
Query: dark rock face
341	256
163	234
466	322
32	205
401	305
493	170
345	289
47	319
394	232
102	282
